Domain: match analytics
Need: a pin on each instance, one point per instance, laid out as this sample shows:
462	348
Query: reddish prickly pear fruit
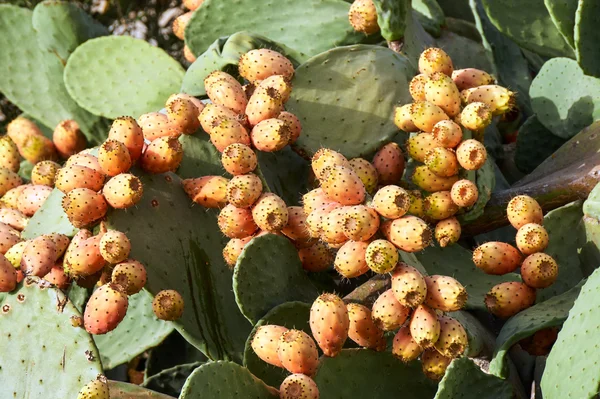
408	285
297	352
447	231
295	229
270	212
419	145
532	238
9	154
38	256
329	323
391	202
58	277
428	181
464	193
180	23
441	91
453	338
105	309
445	293
434	364
363	17
162	155
539	270
15	253
32	198
439	205
212	115
523	209
60	241
366	172
233	249
324	159
270	135
183	113
280	83
44	173
11	197
227	93
314	199
314	220
192	4
265	103
499	99
298	386
435	60
257	65
89	161
155	125
8	180
316	258
83	256
389	162
360	223
447	133
470	77
389	314
265	343
227	132
20	128
8	237
471	154
362	329
244	190
97	389
425	115
417	87
541	342
84	206
8	275
381	256
13	218
350	259
404	346
342	185
168	305
182	96
114	246
75	176
114	158
507	299
208	191
239	159
332	227
403	119
131	275
409	233
292	123
123	191
236	222
442	162
476	116
425	326
68	138
496	257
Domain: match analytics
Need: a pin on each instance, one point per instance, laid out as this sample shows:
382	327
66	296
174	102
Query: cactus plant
463	373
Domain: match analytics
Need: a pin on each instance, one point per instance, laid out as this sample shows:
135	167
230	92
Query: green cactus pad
458	9
564	99
416	39
25	169
225	380
535	143
587	36
550	313
173	351
286	173
138	79
171	381
42	352
465	53
430	15
50	218
181	248
392	17
123	390
485	179
290	315
562	13
531	27
381	376
463	28
591	206
464	379
345	98
139	331
269	273
324	21
589	254
200	157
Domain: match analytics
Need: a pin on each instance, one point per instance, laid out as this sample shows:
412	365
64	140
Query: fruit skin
404	346
233	249
15	254
363	17
419	145
44	173
162	155
8	275
316	258
227	93
428	181
227	132
447	231
114	246
236	222
531	238
435	60
208	191
499	99
471	154
471	77
497	258
58	277
97	389
32	198
81	159
362	329
270	135
298	386
244	190
168	305
314	199
180	23
408	233
10	198
297	352
84	206
539	270
8	237
442	162
76	176
265	103
126	130
9	154
131	275
238	159
292	123
425	115
350	259
476	116
314	220
265	343
280	83
213	114
439	205
447	133
416	87
83	256
389	314
325	159
523	209
342	185
441	91
68	138
403	120
38	256
391	202
295	229
434	364
389	162
425	326
381	256
8	180
408	285
332	231
123	191
105	309
453	338
155	125
183	113
445	293
329	323
366	172
360	223
257	65
507	299
270	213
114	158
464	193
36	148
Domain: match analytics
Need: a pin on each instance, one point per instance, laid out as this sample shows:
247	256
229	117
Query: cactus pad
286	174
563	15
535	143
485	179
430	15
200	157
123	390
464	379
392	16
465	53
138	79
50	218
171	381
587	36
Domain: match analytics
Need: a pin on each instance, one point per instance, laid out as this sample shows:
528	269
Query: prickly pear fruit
20	128
11	197
81	159
257	65
295	228
114	158
464	193
84	206
298	386
435	60
213	115
362	329
183	114
541	342
265	103
316	258
389	314
442	162
13	218
408	285
496	257
350	259
531	238
227	132
8	275
419	145
342	185
404	346
389	162
8	180
381	256
270	212
476	116
329	323
38	256
325	159
44	173
182	96
180	23
314	199
168	305
417	87
127	131
15	253
447	133
441	91
227	93
471	154
114	246
416	203
445	293
434	364
8	237
162	155
236	222
499	99
208	191
58	277
32	198
68	138
507	299
391	202
439	205
363	17
244	190
61	243
297	352
280	83
96	389
314	220
447	231
523	209
332	231
453	338
403	119
366	172
131	275
425	115
239	159
292	123
83	256
270	135
36	148
75	176
9	154
409	233
123	191
360	223
265	343
425	326
470	77
105	309
539	270
233	249
216	77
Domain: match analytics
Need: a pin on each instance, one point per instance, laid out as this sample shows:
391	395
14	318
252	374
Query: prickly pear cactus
466	380
50	218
